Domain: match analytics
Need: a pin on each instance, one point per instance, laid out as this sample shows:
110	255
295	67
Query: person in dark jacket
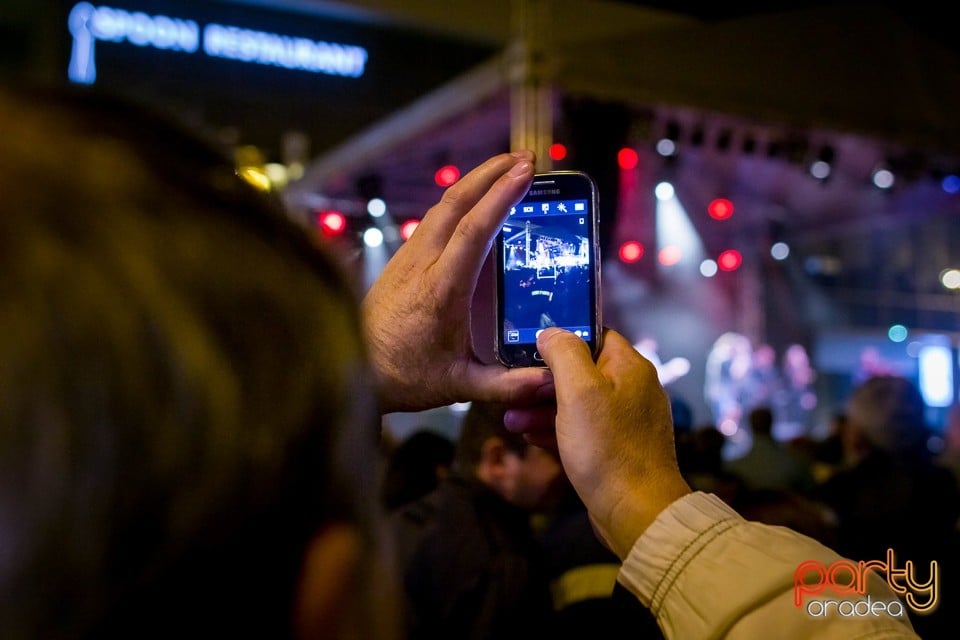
469	558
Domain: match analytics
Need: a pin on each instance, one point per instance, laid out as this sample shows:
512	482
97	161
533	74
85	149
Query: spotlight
882	177
823	165
627	158
950	183
720	209
897	333
664	191
667	145
631	251
820	169
950	278
373	237
729	260
446	175
331	223
780	250
376	207
935	366
407	228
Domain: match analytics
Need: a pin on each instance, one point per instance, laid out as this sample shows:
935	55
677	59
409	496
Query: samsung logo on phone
544	192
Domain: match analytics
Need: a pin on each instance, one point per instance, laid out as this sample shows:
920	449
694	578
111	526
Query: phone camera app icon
513	336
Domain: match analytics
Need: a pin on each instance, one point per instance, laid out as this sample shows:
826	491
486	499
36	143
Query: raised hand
417	313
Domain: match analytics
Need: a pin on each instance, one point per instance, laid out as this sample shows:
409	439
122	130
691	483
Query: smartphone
548	267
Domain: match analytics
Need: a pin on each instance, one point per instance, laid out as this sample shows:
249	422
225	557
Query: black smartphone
548	267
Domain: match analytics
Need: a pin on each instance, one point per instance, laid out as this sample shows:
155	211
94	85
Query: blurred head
416	466
708	443
524	475
178	437
886	414
761	420
764	356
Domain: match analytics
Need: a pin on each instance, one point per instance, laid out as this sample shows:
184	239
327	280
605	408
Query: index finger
439	223
471	238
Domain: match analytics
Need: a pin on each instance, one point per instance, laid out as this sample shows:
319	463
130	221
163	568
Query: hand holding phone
425	293
548	267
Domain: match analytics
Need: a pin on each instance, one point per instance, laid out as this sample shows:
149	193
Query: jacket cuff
677	535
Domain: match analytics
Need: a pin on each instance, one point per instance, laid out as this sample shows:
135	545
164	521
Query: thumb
568	357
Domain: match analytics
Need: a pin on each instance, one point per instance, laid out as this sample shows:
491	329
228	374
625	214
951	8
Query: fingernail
519	169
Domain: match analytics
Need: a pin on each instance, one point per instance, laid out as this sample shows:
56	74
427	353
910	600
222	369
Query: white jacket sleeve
705	572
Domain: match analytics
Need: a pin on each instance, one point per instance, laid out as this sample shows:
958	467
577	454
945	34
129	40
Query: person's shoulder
417	512
426	529
447	506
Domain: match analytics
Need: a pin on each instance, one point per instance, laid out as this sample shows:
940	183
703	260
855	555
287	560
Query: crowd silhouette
864	482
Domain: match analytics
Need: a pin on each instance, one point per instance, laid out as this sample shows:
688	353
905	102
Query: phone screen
548	267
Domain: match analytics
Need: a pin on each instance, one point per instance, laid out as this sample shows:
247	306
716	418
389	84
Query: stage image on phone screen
547	275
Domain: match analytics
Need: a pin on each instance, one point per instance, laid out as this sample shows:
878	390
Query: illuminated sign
88	24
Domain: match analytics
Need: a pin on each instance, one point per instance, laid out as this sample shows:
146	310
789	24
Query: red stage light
631	251
446	175
407	229
558	151
730	260
720	209
627	158
331	222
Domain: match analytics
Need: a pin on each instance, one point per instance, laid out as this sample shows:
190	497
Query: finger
474	233
568	357
440	222
515	387
531	419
